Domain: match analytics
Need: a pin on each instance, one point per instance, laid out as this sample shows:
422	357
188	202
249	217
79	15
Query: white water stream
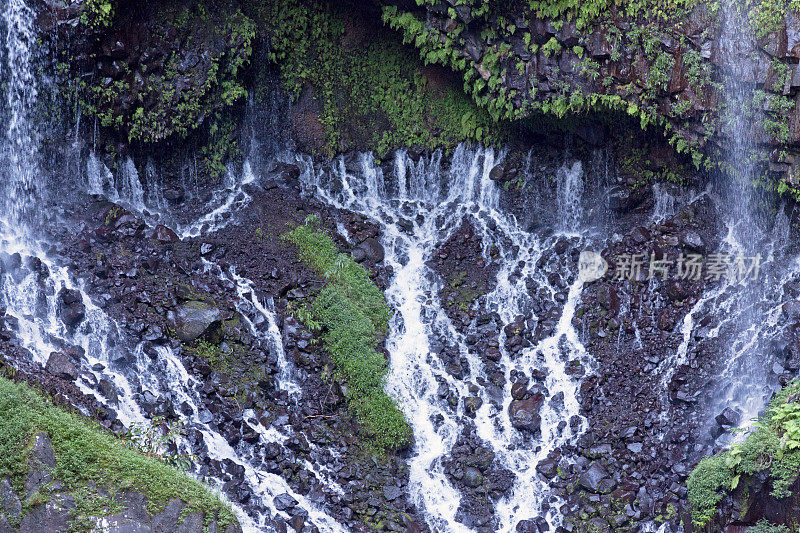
418	207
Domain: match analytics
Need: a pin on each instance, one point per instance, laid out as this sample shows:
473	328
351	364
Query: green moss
772	447
353	312
86	454
374	95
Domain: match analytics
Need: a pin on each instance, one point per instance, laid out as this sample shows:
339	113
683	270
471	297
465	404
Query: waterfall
569	191
418	207
31	282
18	185
752	306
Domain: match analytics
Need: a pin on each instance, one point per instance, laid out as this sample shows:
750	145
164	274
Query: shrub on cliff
773	447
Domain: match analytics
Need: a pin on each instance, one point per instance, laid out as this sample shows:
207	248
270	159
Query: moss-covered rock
67	471
757	478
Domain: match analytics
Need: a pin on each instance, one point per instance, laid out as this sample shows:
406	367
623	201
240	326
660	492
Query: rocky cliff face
165	86
666	65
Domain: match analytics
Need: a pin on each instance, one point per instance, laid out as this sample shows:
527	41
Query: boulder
41	463
596	479
729	417
164	234
192	523
391	492
192	319
373	250
70	307
134	518
284	502
472	477
54	515
548	467
167	521
525	413
694	242
59	364
622	198
497	173
174	194
10	506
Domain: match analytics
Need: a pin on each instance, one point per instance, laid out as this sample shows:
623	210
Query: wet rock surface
641	421
181	295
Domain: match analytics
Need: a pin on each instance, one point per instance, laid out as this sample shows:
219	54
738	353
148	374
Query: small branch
319	416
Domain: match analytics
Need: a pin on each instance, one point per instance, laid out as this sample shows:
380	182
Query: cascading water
419	205
31	282
19	166
745	375
418	209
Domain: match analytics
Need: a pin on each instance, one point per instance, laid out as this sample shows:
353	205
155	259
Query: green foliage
97	13
374	95
706	484
772	446
353	313
661	71
551	47
767	16
764	526
86	454
221	146
161	107
156	439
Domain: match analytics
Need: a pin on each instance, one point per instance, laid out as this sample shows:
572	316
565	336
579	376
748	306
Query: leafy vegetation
97	13
763	526
773	446
374	94
353	313
86	454
156	439
149	106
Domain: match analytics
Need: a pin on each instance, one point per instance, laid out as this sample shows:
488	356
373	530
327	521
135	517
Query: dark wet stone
59	364
729	417
497	173
167	521
10	504
164	234
525	413
71	308
596	479
373	249
694	242
284	502
192	319
472	477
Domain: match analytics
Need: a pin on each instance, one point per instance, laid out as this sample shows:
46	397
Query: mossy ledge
92	467
352	312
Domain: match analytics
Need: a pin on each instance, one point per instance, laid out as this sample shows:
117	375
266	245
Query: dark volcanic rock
192	319
59	364
373	250
597	479
525	413
71	308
